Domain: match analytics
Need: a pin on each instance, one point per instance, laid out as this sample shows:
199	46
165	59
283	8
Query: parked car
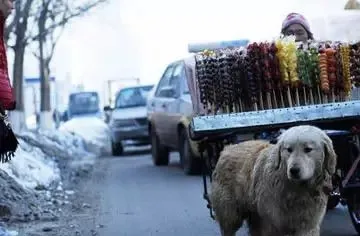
128	121
169	113
82	104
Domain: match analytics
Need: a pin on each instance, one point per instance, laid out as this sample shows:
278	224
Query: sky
138	38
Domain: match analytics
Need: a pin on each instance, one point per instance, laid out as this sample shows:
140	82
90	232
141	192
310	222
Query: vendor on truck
296	24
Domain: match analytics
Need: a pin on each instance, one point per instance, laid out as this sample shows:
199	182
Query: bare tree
16	29
53	17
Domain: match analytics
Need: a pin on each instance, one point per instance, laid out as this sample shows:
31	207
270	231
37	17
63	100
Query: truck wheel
117	149
190	164
353	207
160	154
333	202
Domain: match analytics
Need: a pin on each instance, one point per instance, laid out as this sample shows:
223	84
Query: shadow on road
136	153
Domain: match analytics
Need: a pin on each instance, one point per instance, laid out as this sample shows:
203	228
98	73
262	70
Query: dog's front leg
228	232
312	232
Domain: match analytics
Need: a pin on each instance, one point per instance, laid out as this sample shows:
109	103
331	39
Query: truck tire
190	164
333	202
159	153
117	149
353	208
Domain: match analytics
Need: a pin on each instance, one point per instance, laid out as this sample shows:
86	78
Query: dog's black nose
295	172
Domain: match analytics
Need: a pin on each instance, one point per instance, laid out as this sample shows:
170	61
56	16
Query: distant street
131	197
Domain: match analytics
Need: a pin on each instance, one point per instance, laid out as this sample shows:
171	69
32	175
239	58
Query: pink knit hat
295	18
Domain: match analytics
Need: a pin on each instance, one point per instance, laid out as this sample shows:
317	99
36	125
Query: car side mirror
168	91
107	108
65	116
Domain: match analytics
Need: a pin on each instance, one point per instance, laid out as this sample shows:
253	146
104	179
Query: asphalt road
134	198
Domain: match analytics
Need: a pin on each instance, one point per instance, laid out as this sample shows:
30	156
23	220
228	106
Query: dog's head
306	152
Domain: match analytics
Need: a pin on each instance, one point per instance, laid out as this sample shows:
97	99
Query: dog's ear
330	155
276	153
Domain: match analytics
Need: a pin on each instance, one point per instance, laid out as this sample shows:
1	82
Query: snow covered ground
35	161
31	167
43	156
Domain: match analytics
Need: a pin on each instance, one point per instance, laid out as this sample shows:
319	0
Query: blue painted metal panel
254	120
37	80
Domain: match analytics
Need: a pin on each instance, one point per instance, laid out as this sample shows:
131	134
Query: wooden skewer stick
282	99
255	106
305	97
326	98
214	104
275	99
297	97
214	109
261	101
333	95
241	105
268	96
341	96
220	110
289	97
319	95
208	108
311	97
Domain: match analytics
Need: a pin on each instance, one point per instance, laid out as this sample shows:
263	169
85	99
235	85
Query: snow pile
4	232
93	130
40	154
31	123
31	167
57	144
31	183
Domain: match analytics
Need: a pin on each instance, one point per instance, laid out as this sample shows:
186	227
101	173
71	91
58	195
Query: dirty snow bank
31	167
71	152
32	182
17	204
93	130
37	159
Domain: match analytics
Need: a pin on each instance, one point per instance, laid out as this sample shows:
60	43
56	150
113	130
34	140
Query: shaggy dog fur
278	189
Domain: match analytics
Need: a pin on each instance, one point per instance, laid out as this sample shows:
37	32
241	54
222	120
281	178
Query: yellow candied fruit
282	55
292	62
345	57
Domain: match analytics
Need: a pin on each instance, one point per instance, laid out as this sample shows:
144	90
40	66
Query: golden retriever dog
277	189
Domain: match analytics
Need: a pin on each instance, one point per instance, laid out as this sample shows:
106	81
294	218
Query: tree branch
54	43
67	16
20	21
36	55
14	20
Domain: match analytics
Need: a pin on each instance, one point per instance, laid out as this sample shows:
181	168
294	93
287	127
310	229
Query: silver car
170	111
128	120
